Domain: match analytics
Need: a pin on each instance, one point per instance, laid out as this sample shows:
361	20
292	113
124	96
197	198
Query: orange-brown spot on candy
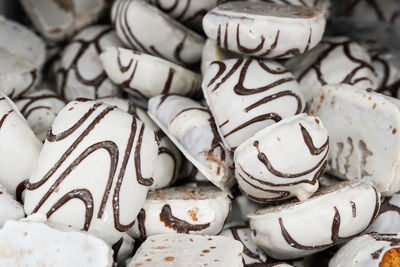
317	120
391	258
160	247
205	251
321	98
240	254
148	259
71	108
213	247
201	255
169	258
138	264
209	238
193	215
394	131
278	139
369	98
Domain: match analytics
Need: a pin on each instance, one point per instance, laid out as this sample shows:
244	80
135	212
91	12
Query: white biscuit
100	157
264	29
298	229
147	76
364	137
246	95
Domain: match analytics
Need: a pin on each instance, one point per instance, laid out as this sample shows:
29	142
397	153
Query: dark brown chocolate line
269	70
178	225
281	193
246	250
224	123
308	42
180	16
141	219
386	206
310	144
30	85
353	209
189	109
141	180
29	112
274	97
33	99
245	49
221	70
392	238
116	247
20	189
166	9
33	186
5	117
229	74
123	68
168	82
376	254
82	194
273	45
283	196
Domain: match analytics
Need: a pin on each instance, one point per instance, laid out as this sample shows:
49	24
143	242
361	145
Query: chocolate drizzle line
33	99
30	85
246	250
386	206
5	117
178	225
141	219
20	189
116	247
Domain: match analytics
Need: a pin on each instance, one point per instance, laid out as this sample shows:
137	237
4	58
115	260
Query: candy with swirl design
169	159
284	160
337	213
335	60
188	250
364	140
265	30
387	68
182	210
369	250
102	159
34	242
188	12
259	93
213	52
146	76
143	27
192	129
40	108
10	209
388	218
19	147
80	72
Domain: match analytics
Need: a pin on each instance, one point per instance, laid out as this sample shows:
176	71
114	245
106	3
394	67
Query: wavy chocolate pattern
114	174
178	225
33	75
386	87
26	109
246	250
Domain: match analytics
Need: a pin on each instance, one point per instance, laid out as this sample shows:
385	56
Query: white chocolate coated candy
10	209
143	27
192	129
40	108
123	248
259	93
364	137
181	250
283	160
388	218
56	20
19	147
34	243
335	214
387	68
81	73
169	159
368	251
95	169
335	60
264	29
187	210
147	76
213	52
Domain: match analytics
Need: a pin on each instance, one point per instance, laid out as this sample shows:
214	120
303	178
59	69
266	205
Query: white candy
387	68
251	253
192	129
388	218
57	20
81	73
212	52
246	95
123	248
241	207
296	230
169	159
335	60
143	27
19	148
40	108
181	250
198	210
264	29
364	137
10	209
34	243
369	250
100	157
283	160
147	76
323	4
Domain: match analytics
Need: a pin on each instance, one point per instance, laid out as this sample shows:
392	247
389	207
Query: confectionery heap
211	133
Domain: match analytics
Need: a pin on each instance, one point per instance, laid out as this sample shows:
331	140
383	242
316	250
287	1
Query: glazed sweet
182	210
284	160
169	159
141	26
181	249
213	52
57	20
192	129
33	242
10	209
94	171
335	60
387	69
265	30
368	148
259	93
146	76
40	108
22	54
335	214
388	218
19	148
80	73
369	250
